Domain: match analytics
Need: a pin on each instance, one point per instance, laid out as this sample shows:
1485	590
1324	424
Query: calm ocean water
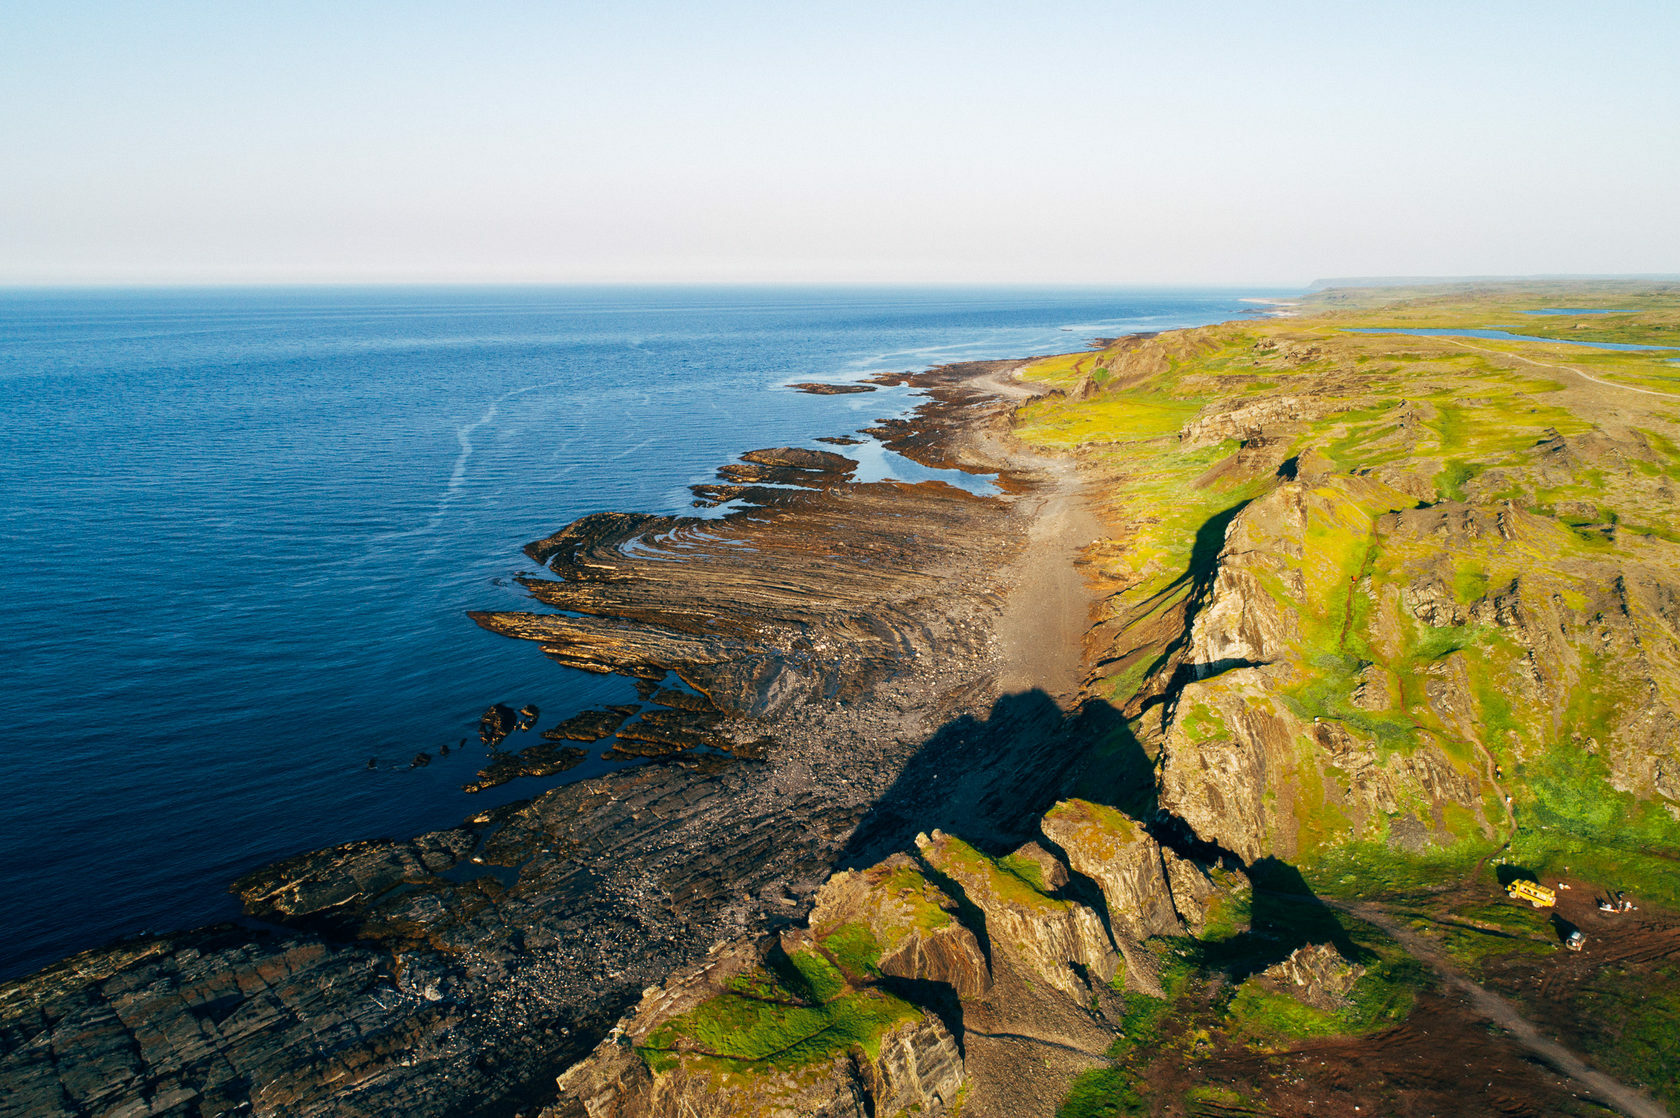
241	529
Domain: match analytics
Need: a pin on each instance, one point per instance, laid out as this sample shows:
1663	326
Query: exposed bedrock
1063	942
828	388
819	596
832	630
916	925
913	979
808	1023
1359	661
1149	890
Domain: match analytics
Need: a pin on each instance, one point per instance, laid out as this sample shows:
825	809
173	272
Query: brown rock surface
1315	975
1149	889
591	725
823	388
1062	942
914	922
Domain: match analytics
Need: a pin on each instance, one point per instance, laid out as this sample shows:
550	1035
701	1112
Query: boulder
1316	975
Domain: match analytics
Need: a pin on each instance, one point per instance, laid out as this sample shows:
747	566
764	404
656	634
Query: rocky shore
825	668
994	804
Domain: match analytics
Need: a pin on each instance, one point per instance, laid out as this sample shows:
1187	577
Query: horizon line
1315	285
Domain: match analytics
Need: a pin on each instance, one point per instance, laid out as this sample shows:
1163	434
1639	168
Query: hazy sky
1120	143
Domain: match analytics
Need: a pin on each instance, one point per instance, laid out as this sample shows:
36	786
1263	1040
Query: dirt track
1503	1013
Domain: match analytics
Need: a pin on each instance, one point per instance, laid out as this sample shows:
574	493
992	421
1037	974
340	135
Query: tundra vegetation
1387	621
1404	612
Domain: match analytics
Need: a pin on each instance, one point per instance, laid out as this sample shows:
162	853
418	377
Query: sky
858	142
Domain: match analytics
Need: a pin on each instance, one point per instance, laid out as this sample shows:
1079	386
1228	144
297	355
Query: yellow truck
1533	892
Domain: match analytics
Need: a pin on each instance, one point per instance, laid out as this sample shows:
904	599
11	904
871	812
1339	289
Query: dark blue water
1500	335
241	529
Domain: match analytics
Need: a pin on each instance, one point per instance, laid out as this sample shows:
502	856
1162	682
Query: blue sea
242	528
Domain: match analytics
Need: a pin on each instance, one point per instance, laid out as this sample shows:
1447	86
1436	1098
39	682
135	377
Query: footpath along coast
833	667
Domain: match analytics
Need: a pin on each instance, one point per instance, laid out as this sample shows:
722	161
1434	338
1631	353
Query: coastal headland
1184	776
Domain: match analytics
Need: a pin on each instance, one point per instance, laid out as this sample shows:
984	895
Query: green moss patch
795	1011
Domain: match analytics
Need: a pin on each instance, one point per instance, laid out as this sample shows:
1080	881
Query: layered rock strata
831	628
917	981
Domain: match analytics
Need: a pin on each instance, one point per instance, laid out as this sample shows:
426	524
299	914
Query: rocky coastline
826	672
1101	793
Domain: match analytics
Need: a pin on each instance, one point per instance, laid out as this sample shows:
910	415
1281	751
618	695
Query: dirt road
1568	369
1501	1012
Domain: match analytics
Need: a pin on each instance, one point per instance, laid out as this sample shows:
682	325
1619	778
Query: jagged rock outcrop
1230	744
914	924
769	1027
1248	763
1315	975
916	1069
1063	942
1358	661
1149	889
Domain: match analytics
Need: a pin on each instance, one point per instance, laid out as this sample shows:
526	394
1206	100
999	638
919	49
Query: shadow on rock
1286	915
991	779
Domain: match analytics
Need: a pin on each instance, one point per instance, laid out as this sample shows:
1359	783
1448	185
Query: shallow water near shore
242	529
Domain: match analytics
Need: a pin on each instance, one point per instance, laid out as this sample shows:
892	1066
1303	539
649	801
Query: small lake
1502	336
1581	310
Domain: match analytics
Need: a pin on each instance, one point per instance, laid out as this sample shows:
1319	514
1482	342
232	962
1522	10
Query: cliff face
1249	759
1366	591
1364	668
915	926
1148	890
743	1035
1063	942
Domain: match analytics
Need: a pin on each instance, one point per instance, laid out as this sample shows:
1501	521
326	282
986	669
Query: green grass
796	1011
855	950
1371	869
1383	996
1121	416
1110	1092
1450	481
1015	880
1026	869
1635	1019
1328	694
1476	427
1201	1010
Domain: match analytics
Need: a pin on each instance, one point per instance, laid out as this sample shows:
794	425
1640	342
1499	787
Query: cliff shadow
1284	916
989	780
